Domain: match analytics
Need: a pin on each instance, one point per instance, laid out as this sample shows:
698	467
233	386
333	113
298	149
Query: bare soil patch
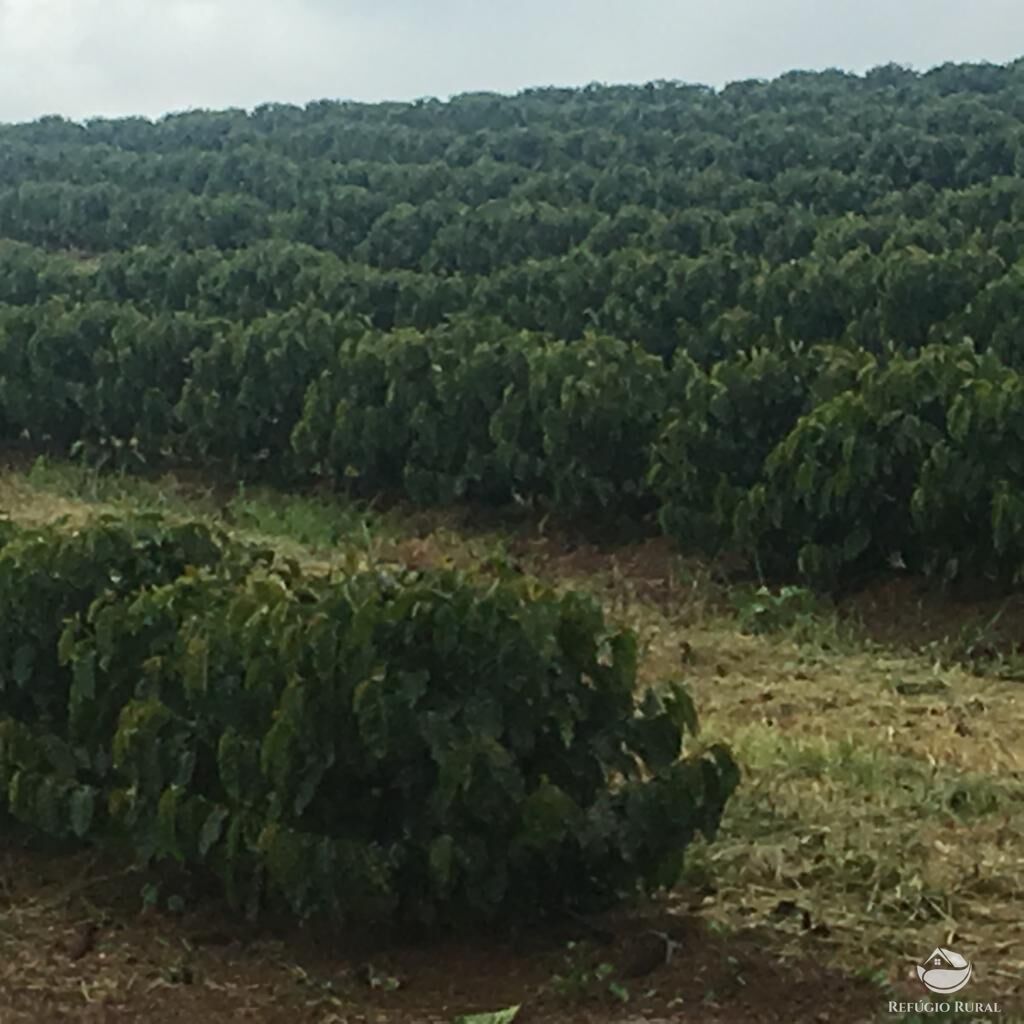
206	964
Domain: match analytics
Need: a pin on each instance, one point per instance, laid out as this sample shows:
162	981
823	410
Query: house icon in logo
944	972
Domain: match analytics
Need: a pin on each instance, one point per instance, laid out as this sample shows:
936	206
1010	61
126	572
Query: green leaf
24	658
83	686
505	1016
81	807
657	739
549	814
66	644
856	543
442	856
212	829
60	756
167	821
681	709
197	665
48	807
372	703
233	765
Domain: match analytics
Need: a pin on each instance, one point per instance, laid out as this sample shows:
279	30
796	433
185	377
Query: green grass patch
314	522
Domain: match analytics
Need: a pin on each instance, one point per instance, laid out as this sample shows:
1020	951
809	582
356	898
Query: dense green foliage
422	747
618	302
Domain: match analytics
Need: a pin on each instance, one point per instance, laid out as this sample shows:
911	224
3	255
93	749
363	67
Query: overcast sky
90	57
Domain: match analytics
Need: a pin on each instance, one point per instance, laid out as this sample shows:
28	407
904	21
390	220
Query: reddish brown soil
206	965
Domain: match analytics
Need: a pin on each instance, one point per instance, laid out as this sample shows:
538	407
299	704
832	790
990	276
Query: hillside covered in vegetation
779	319
457	764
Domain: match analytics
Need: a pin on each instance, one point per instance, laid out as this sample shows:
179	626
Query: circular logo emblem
944	972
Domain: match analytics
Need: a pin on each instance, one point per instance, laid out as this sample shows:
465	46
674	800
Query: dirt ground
153	966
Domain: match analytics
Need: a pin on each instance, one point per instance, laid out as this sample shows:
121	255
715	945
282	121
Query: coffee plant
382	746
